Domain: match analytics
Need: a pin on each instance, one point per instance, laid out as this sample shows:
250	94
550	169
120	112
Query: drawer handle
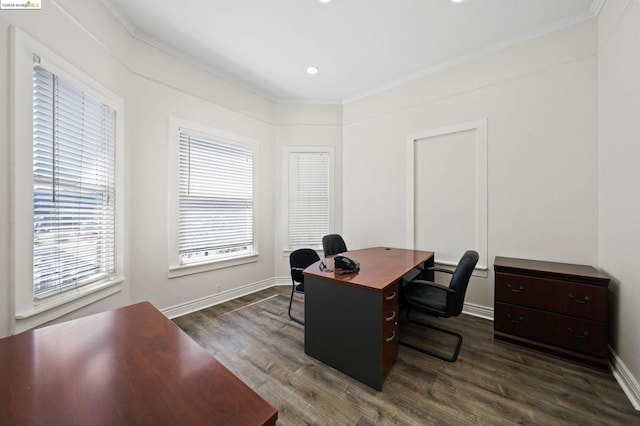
578	336
585	300
516	321
516	290
391	317
391	296
393	336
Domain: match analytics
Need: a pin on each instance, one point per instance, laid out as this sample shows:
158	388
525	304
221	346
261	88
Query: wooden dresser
556	308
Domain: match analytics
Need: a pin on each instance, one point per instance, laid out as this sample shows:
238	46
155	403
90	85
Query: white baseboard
215	299
625	379
478	311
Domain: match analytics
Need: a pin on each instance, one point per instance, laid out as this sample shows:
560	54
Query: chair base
428	352
291	316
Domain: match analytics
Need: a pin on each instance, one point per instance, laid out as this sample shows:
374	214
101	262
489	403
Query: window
67	178
309	192
215	201
74	223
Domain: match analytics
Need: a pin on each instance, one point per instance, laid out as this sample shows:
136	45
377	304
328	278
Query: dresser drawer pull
516	321
516	290
393	336
578	336
391	317
585	300
391	296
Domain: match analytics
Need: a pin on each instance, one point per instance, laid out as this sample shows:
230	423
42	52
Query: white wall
150	104
540	101
304	125
6	296
619	206
154	86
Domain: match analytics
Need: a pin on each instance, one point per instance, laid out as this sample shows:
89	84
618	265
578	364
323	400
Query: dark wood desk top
379	266
122	367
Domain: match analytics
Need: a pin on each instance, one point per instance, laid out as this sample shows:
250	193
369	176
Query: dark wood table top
379	266
123	367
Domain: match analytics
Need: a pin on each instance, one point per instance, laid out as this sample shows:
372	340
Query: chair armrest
433	285
446	271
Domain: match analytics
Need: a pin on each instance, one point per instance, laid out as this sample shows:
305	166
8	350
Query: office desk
123	367
351	321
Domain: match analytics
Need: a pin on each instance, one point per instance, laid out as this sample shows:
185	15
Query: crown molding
596	6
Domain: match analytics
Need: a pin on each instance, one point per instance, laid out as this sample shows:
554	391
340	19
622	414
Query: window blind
73	186
308	198
215	199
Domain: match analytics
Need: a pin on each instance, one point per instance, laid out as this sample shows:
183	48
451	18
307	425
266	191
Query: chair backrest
460	281
333	244
299	260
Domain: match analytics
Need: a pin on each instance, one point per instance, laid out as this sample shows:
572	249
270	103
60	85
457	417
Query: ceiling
359	46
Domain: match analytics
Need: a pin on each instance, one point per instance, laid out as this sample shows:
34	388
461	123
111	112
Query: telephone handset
345	264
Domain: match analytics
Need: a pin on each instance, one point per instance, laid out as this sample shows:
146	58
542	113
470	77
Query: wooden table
123	367
351	321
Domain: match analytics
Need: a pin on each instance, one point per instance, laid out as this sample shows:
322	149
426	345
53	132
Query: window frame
285	182
29	310
175	268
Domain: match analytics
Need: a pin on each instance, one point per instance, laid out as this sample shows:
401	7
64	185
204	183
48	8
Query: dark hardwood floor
491	383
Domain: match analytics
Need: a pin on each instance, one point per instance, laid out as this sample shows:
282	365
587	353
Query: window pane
74	186
308	198
215	199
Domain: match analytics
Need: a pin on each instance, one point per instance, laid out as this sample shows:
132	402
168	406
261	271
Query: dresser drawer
523	322
582	300
529	291
586	301
585	336
576	334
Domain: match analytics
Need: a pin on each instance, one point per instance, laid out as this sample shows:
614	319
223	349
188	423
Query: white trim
604	40
215	299
625	379
479	311
29	312
196	268
480	126
67	303
175	269
596	6
471	56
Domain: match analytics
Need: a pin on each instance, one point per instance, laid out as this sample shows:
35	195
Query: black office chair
299	260
438	300
333	244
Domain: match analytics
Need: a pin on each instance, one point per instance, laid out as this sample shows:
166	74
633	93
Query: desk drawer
390	327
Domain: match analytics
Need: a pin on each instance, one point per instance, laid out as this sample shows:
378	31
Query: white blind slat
308	198
74	186
215	214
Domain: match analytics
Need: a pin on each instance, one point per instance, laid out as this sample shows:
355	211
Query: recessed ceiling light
457	1
312	70
324	1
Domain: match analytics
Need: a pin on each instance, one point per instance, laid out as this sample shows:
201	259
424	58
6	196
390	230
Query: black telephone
347	265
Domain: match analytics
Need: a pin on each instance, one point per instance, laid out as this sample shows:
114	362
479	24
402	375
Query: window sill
56	306
196	268
287	251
